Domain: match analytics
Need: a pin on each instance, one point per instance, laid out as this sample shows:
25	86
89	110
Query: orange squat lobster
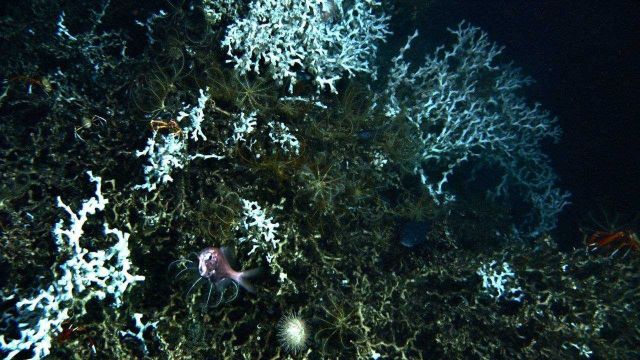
612	242
70	332
170	125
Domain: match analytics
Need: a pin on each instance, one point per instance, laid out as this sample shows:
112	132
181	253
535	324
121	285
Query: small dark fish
414	233
366	135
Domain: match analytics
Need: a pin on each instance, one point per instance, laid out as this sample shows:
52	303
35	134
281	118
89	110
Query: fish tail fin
244	276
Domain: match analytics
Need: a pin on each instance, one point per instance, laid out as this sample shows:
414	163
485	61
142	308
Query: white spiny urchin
293	332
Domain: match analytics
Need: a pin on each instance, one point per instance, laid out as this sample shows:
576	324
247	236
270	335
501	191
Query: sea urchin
293	332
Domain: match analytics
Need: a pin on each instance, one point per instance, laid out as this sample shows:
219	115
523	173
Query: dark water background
584	56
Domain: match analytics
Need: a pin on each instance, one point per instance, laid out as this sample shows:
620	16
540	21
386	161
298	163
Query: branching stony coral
85	275
466	108
216	10
391	306
165	153
261	229
281	135
325	39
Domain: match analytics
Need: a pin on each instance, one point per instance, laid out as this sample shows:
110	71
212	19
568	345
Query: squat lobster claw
613	242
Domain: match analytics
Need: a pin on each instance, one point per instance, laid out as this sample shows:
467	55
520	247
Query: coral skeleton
142	328
83	276
260	229
196	115
280	134
500	282
466	108
322	39
244	126
168	152
164	154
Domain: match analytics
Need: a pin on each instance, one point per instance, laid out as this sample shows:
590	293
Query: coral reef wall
133	136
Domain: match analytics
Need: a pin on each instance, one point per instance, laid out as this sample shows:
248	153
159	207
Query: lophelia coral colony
275	128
